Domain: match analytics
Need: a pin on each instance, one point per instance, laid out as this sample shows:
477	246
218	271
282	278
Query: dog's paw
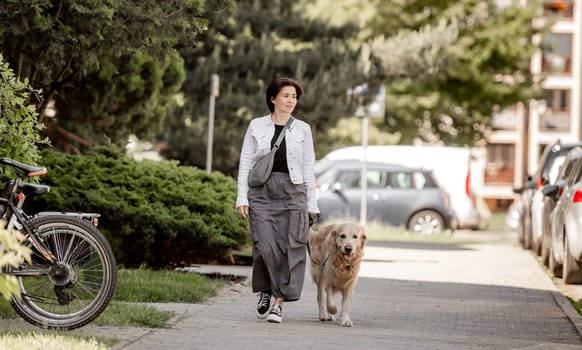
326	318
347	323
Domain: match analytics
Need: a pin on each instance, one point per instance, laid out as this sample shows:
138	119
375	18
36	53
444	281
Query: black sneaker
276	314
263	305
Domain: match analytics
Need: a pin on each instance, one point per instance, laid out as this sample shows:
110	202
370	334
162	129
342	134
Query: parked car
457	169
552	193
541	205
566	226
396	195
534	184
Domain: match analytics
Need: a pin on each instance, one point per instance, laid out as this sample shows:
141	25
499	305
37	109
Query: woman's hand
243	210
313	217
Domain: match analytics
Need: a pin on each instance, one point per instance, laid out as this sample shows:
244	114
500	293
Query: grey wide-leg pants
279	227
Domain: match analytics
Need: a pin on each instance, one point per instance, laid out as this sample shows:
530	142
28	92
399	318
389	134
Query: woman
278	210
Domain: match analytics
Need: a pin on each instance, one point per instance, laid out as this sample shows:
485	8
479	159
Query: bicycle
72	275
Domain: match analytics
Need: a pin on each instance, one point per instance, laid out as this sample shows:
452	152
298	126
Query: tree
486	67
247	48
110	67
19	124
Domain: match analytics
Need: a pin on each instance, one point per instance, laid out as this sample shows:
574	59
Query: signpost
214	87
375	109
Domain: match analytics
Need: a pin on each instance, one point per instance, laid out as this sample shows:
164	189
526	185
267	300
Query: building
522	132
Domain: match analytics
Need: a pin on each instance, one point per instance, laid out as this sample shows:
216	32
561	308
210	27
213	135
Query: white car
566	224
540	203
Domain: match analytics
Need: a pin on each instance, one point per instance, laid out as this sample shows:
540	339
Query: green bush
19	122
155	214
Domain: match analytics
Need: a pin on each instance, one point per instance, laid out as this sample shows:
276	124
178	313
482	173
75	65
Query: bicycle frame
16	216
18	219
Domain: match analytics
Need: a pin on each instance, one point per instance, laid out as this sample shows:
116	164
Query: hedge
154	214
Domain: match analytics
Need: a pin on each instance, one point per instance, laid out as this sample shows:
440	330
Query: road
409	296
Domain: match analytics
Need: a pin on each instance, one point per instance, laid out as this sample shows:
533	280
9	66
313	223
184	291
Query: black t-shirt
280	161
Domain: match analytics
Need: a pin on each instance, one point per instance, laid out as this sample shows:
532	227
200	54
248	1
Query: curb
569	310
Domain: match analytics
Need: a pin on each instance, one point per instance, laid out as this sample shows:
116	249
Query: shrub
153	213
19	123
12	253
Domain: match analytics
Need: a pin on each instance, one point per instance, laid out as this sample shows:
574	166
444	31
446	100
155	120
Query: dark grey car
396	195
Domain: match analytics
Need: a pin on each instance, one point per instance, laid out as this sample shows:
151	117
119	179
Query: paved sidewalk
409	296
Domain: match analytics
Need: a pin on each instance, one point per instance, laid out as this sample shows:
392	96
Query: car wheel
427	222
572	269
526	233
553	265
536	247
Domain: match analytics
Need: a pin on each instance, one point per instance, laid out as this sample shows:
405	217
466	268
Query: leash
311	258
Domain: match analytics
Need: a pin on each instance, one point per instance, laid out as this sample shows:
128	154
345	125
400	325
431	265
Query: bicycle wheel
75	290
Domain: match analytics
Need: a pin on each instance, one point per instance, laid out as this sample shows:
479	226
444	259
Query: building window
561	8
506	119
555	113
557	53
500	168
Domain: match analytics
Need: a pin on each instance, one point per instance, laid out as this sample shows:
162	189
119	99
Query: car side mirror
337	187
530	185
550	190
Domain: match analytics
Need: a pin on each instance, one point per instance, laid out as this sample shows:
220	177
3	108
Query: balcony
560	8
558	120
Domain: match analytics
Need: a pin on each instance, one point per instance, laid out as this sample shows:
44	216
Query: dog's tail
332	309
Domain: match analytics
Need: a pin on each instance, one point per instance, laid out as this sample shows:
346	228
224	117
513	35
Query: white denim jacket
300	156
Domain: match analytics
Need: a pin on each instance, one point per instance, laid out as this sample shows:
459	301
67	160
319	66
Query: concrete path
409	296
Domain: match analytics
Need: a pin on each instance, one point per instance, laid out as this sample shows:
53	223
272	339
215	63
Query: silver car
396	195
566	223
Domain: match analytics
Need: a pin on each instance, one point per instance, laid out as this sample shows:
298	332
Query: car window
407	180
348	179
351	178
578	170
575	174
419	180
376	179
554	168
399	180
326	178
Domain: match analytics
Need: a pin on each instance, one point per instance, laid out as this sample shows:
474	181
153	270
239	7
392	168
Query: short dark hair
276	86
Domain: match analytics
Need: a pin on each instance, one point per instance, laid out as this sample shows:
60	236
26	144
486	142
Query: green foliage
119	314
130	95
247	48
147	286
12	254
19	124
153	213
109	65
484	69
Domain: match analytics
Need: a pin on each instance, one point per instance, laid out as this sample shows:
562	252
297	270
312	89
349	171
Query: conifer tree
259	41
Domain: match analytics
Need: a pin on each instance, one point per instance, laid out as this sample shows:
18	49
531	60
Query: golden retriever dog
335	255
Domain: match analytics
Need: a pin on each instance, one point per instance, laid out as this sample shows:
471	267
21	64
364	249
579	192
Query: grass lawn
146	286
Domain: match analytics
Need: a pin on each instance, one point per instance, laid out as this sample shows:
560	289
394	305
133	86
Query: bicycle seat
30	170
30	189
